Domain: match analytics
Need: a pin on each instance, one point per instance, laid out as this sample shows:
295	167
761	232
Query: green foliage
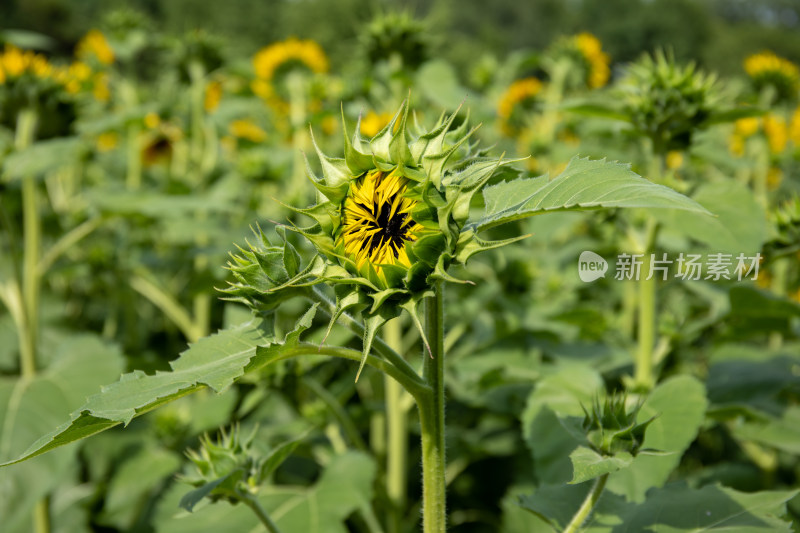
583	185
122	199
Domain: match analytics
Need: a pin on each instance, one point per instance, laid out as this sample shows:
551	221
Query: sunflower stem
26	126
250	501
133	176
432	421
397	438
588	504
644	377
201	305
32	238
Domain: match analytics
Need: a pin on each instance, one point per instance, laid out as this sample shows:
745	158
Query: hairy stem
588	504
431	415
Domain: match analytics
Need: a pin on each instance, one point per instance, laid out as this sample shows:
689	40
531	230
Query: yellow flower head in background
746	127
278	56
794	127
248	130
269	59
768	69
94	44
597	60
774	127
519	91
107	141
777	133
377	223
212	96
15	63
374	122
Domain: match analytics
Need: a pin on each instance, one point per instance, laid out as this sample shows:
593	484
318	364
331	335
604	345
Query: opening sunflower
377	221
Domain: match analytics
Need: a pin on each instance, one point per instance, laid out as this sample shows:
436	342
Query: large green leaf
42	157
215	362
31	407
739	227
672	509
584	185
679	404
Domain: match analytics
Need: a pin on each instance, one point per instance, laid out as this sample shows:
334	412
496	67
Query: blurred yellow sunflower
517	92
767	69
269	59
774	128
94	44
15	63
597	60
247	130
776	132
272	59
212	96
374	122
794	128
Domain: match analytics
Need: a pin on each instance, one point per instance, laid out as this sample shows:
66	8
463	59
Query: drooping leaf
584	185
215	362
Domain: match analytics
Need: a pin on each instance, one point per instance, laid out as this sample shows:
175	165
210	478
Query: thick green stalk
32	234
133	176
431	415
397	438
644	376
202	301
588	504
298	89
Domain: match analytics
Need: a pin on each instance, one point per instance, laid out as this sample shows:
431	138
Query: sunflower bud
223	465
389	222
612	428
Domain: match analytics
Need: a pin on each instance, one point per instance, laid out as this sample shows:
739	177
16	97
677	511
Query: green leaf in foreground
215	362
584	185
672	509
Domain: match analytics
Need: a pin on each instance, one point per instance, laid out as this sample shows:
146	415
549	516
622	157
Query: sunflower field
387	289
